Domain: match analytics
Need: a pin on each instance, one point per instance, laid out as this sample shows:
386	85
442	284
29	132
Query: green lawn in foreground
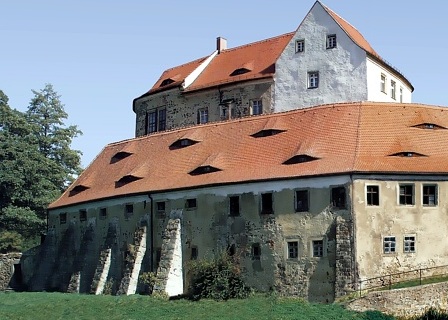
49	306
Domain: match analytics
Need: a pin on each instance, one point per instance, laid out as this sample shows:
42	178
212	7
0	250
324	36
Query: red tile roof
347	137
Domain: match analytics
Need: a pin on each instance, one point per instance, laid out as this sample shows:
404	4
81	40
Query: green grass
49	306
416	282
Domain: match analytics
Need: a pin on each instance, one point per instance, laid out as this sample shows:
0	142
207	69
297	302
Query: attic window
430	126
239	71
166	82
267	133
125	180
182	143
77	189
119	156
408	154
203	170
300	159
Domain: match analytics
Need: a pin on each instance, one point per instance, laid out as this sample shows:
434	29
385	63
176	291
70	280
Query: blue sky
100	55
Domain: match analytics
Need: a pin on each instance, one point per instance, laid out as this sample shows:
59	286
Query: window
331	41
203	115
313	79
383	83
389	244
82	215
194	253
318	248
293	249
401	95
256	251
234	205
409	244
392	89
158	257
160	206
373	195
257	107
190	203
63	218
128	210
406	194
300	45
103	213
162	120
266	203
338	197
300	158
203	170
301	200
430	195
152	122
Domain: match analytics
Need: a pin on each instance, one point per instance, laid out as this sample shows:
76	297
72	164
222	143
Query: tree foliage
36	163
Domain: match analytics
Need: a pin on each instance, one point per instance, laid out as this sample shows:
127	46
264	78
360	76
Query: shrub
218	278
149	280
432	314
376	315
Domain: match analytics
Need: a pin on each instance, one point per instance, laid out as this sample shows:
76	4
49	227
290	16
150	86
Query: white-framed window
331	41
409	244
389	244
429	195
300	45
293	249
383	83
401	95
393	88
373	195
318	248
313	79
203	115
406	195
257	107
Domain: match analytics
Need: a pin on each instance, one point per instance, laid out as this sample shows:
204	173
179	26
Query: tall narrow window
162	120
373	196
257	107
331	41
429	195
103	213
318	248
389	244
302	200
256	251
406	194
266	203
313	79
393	89
152	122
234	206
338	197
82	215
409	244
203	115
300	45
293	249
401	95
63	218
383	83
194	253
128	210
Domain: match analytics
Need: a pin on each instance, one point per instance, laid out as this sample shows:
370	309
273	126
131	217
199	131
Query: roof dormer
407	154
77	189
125	180
166	82
182	143
203	170
267	133
300	158
429	126
120	156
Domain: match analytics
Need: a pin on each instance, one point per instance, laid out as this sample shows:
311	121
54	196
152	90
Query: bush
376	315
218	278
432	314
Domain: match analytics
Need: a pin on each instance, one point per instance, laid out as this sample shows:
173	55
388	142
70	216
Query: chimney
221	44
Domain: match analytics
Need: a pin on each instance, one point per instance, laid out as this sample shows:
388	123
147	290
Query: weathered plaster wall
7	278
182	108
342	70
428	224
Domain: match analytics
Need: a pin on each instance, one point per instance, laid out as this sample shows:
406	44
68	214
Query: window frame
331	41
256	251
302	208
371	199
151	122
267	205
389	245
194	253
256	107
292	249
393	89
234	212
63	218
428	195
102	213
313	79
82	215
409	243
317	248
203	116
401	94
161	121
403	198
191	203
300	45
335	202
383	82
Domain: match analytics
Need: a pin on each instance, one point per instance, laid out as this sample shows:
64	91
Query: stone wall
345	265
404	302
7	279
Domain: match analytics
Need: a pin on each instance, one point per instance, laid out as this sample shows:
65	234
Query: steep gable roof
333	139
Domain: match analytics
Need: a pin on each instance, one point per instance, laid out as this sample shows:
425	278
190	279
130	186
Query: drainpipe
151	232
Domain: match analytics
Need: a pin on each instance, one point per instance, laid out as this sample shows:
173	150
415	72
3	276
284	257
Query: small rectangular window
318	248
401	95
190	203
152	122
257	107
203	115
338	197
313	79
266	203
430	195
406	194
409	244
256	251
389	244
302	200
103	213
160	206
63	218
392	89
373	195
128	210
234	205
82	215
162	120
383	83
300	45
293	249
194	253
331	41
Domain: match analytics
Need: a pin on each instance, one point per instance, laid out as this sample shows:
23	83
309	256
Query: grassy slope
51	306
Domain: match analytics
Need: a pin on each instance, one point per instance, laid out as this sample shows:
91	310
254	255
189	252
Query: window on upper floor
103	213
267	203
128	210
156	121
293	249
401	95
373	195
190	203
429	195
383	83
202	115
331	41
393	88
63	218
409	244
406	196
338	200
256	107
313	79
162	120
82	215
389	244
300	45
318	248
152	122
302	200
234	206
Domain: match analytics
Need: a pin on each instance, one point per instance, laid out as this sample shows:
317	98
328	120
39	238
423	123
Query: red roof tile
346	137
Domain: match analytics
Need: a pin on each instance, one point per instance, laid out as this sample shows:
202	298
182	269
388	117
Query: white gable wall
342	70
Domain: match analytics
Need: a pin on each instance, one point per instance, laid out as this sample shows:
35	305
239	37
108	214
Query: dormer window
120	156
182	143
300	158
77	189
408	154
267	133
430	126
166	82
239	71
125	180
203	170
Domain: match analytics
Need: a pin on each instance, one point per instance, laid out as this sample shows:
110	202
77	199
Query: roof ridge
258	42
182	65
